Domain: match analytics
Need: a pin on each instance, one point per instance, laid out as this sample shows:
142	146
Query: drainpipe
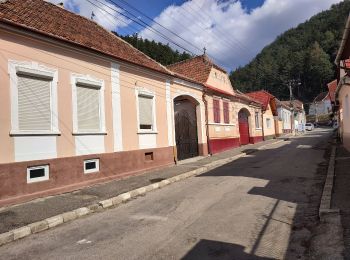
206	121
262	124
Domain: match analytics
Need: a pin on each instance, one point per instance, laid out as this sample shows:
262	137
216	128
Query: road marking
149	217
304	146
84	241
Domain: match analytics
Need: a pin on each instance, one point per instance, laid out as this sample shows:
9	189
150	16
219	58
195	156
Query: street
262	206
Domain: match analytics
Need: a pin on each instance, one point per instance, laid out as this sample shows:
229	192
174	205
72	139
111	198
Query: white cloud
231	34
105	13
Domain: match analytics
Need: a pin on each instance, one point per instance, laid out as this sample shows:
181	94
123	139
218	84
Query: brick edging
59	219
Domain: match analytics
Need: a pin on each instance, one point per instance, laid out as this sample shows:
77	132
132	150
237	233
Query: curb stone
21	232
57	220
39	226
325	204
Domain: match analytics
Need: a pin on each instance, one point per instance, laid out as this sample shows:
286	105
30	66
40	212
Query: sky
231	31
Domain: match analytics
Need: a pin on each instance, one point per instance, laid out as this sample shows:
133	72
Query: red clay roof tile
51	20
332	86
197	68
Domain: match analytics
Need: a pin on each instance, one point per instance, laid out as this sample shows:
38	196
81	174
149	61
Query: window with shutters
33	99
34	103
88	107
257	120
226	112
268	123
146	112
216	109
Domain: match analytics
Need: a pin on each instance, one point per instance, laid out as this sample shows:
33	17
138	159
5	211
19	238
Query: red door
243	127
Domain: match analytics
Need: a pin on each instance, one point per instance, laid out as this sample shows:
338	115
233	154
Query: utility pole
291	105
290	86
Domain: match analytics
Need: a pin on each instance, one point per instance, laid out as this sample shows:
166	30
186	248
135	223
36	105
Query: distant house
298	113
233	118
269	112
285	116
342	94
321	104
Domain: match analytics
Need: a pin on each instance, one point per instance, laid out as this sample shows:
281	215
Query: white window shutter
34	103
88	109
146	110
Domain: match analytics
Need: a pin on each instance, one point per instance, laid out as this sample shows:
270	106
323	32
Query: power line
139	23
228	44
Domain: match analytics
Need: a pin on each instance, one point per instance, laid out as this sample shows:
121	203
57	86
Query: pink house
232	118
79	106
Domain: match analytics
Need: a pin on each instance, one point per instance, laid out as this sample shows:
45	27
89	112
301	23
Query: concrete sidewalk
341	193
20	215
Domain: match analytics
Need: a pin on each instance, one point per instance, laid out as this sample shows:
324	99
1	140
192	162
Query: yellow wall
268	115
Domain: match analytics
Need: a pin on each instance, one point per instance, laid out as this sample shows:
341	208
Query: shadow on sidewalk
341	193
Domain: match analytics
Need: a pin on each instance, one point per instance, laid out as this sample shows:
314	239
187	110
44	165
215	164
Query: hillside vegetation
156	50
305	54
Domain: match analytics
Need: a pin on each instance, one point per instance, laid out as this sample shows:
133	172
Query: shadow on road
289	182
208	249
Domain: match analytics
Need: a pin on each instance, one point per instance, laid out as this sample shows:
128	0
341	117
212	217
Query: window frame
226	111
96	169
78	80
216	111
33	69
146	93
46	177
257	120
269	124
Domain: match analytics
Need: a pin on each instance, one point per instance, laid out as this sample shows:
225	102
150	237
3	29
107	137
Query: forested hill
156	50
304	53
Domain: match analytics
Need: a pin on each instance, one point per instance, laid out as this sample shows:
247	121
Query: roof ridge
109	44
111	33
183	61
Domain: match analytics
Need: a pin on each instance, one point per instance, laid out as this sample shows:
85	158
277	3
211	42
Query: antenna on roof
92	15
204	50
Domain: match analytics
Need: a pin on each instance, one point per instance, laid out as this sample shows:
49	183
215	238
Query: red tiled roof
197	68
240	95
265	98
321	96
262	96
332	86
51	20
283	104
296	103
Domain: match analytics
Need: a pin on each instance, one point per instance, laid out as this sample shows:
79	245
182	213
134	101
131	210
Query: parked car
309	127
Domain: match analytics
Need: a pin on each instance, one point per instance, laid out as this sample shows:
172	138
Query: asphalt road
262	206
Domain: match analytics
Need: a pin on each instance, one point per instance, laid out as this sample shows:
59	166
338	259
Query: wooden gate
186	135
243	127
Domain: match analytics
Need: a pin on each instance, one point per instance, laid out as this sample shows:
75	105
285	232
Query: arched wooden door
186	129
243	127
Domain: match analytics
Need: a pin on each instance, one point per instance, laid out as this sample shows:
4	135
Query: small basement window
37	173
149	156
91	166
